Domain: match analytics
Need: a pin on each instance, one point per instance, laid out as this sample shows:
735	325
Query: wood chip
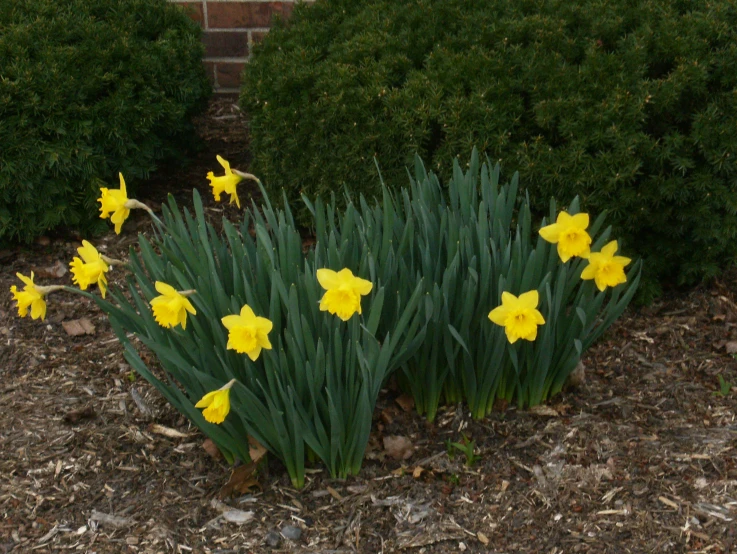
78	327
108	520
483	539
167	431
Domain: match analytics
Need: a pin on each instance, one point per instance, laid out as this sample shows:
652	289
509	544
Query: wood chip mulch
641	457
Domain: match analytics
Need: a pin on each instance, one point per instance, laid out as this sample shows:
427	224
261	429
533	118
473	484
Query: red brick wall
231	27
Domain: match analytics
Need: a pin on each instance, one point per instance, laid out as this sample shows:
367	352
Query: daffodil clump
453	289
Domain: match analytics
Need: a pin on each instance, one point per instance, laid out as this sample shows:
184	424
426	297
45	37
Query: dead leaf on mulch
78	327
243	478
241	481
398	447
731	347
52	272
210	447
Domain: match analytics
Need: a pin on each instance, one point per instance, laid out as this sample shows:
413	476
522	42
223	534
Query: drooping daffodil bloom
518	316
344	291
91	268
117	203
216	403
248	333
225	183
569	232
32	296
606	269
170	309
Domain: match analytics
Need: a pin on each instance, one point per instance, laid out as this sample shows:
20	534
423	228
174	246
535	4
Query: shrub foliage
629	104
89	88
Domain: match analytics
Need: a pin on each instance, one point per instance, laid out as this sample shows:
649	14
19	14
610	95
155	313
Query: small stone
291	532
273	539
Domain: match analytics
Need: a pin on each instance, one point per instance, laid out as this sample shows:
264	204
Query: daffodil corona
32	296
216	404
606	269
225	183
170	309
344	291
248	333
90	268
569	232
117	203
518	316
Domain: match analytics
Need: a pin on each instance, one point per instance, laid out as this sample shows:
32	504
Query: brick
229	15
229	74
194	10
225	45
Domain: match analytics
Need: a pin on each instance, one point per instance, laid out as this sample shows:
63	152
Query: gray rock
291	532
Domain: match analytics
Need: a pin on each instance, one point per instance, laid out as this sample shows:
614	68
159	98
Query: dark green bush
630	104
89	88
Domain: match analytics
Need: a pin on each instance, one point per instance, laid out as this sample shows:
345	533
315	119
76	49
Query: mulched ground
640	458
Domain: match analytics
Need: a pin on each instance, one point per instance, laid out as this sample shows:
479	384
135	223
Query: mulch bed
642	457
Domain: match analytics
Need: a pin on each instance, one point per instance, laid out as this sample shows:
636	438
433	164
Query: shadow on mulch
640	458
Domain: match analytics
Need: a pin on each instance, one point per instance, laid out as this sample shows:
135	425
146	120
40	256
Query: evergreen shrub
629	104
89	88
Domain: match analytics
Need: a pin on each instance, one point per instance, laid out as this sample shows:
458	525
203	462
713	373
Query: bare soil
642	457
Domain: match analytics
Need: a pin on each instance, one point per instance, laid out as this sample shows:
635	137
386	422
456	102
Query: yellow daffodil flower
31	296
569	232
606	269
90	269
216	404
226	183
344	291
247	333
518	316
118	203
170	309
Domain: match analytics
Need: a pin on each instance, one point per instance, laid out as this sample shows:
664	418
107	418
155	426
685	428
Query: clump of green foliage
89	88
628	104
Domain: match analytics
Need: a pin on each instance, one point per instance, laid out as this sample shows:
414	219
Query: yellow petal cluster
247	333
518	316
344	291
606	269
115	202
90	269
225	183
31	297
569	232
170	309
216	404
